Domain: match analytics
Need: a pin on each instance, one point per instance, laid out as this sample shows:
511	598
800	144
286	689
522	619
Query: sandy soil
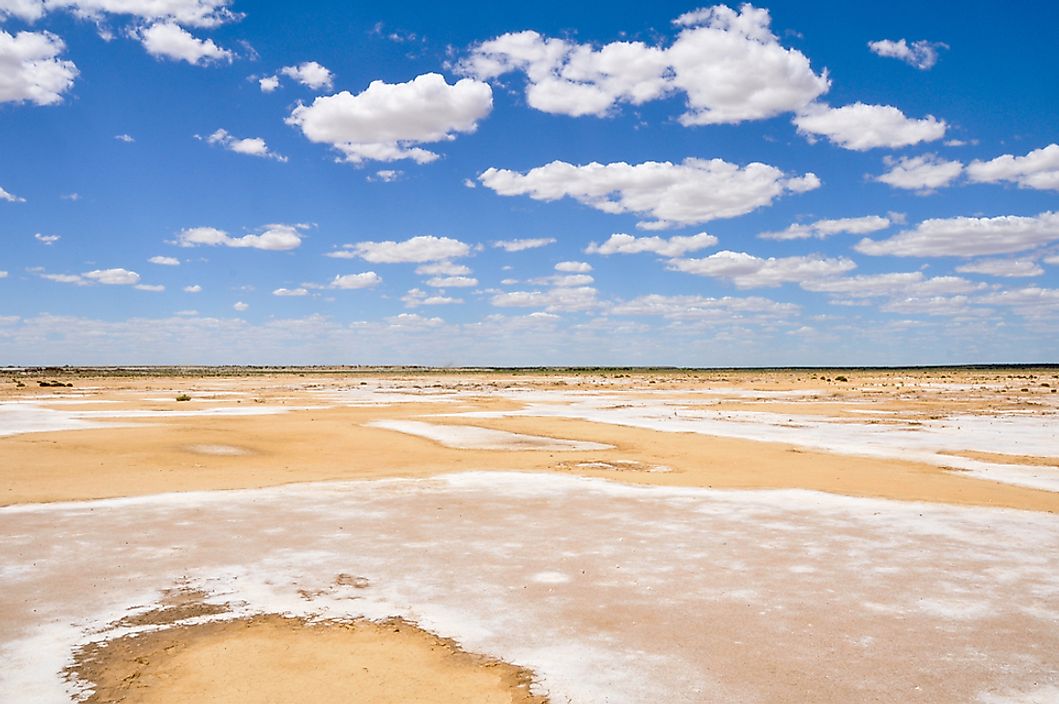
273	659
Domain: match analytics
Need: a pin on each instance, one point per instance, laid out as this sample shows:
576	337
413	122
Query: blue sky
201	181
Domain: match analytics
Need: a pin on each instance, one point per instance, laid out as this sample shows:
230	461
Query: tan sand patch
278	660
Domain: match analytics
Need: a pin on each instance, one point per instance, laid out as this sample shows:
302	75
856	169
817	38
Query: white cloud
273	237
1039	169
109	277
1054	259
452	282
252	146
732	68
1009	268
366	279
72	197
290	292
898	284
165	261
860	127
30	69
524	244
309	74
558	299
563	280
386	175
268	83
127	138
3	274
574	267
968	237
171	41
422	248
443	268
153	288
387	121
826	228
113	277
724	309
418	297
920	54
67	279
240	306
672	247
47	240
747	271
10	197
728	64
694	191
194	288
920	173
191	13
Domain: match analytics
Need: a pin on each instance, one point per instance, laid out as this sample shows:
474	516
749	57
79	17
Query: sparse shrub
183	397
841	378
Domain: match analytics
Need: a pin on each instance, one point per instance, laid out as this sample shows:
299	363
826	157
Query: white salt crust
608	592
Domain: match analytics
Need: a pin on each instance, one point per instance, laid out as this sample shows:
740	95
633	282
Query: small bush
183	397
841	378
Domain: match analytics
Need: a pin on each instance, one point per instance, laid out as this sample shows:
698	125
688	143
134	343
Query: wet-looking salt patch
469	437
676	595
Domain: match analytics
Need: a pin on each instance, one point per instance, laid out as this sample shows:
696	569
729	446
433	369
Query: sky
227	182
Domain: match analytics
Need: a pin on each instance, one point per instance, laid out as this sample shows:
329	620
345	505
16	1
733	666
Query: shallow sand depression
613	542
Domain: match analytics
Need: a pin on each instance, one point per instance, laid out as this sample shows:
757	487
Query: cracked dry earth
490	538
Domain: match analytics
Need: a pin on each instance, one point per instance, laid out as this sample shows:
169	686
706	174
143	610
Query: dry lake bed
337	535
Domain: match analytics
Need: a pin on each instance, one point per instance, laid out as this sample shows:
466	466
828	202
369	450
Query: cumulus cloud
693	191
726	308
113	277
290	292
558	299
194	288
1008	268
923	173
574	267
47	240
387	121
442	268
968	236
165	261
672	247
913	284
171	41
192	13
728	64
253	146
31	70
452	282
386	175
860	127
920	54
523	244
1038	169
418	297
268	83
826	228
109	277
240	306
274	237
415	250
127	138
153	288
366	279
310	74
10	197
747	271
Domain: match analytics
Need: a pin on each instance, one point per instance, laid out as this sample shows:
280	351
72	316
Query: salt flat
756	537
